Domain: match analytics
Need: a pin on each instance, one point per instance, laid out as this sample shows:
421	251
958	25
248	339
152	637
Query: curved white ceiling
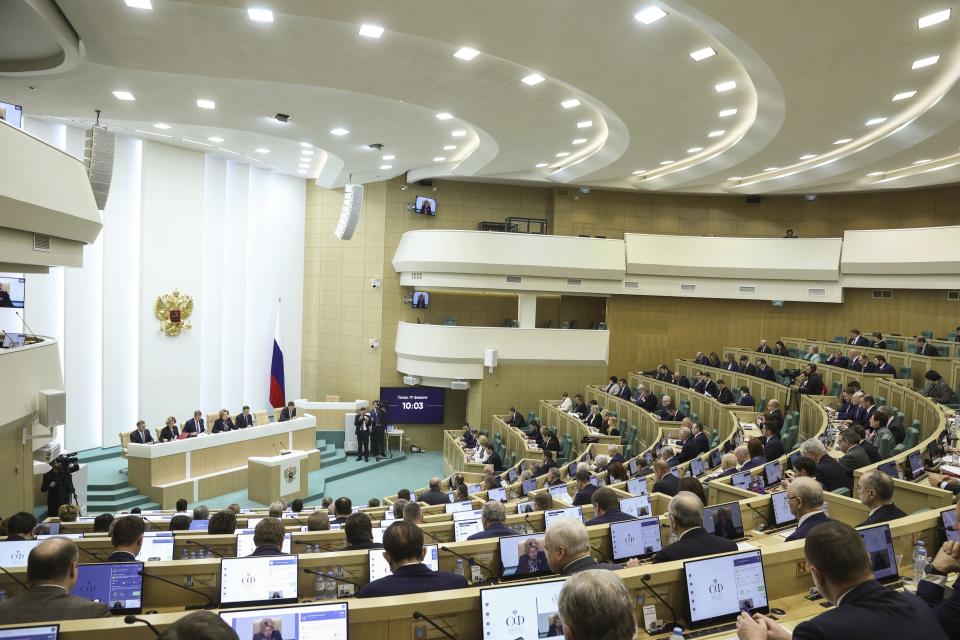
806	75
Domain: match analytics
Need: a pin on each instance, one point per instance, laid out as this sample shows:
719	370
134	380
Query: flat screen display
637	507
637	487
933	450
724	520
718	589
12	291
949	518
118	585
781	509
772	473
199	525
523	555
889	468
526	507
156	548
425	206
553	514
522	611
915	462
413	405
635	538
883	558
497	494
379	568
696	467
528	485
559	490
420	300
11	114
14	553
463	529
246	545
740	480
512	474
715	458
43	632
303	622
258	580
792	459
632	466
472	514
452	507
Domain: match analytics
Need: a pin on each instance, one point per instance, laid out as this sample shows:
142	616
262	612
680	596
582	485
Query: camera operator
58	483
364	425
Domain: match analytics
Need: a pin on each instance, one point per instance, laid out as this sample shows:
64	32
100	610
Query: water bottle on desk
459	570
331	591
919	561
319	585
677	634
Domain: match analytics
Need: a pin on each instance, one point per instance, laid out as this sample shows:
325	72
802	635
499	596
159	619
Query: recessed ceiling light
306	145
563	154
162	125
541	165
123	95
260	15
666	162
306	152
533	79
735	178
339	131
439	159
444	116
449	147
843	141
716	133
874	173
924	161
202	144
570	104
139	4
694	149
649	15
578	141
584	124
262	150
808	156
215	139
206	104
729	85
466	53
371	31
639	172
388	157
726	113
153	133
769	169
384	167
903	95
933	18
873	121
926	62
703	54
459	133
301	171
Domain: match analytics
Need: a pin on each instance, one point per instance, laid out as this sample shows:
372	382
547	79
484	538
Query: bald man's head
52	562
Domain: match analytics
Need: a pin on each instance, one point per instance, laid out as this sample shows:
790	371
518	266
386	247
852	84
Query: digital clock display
413	405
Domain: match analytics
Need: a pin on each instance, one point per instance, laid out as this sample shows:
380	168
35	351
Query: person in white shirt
566	404
613	388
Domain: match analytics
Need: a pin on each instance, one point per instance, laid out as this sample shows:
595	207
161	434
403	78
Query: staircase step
113	506
114	486
113	495
91	455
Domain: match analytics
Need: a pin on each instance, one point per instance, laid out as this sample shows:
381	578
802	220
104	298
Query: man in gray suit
854	455
52	573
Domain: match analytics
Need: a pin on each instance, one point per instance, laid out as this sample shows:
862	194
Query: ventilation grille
574	282
882	294
514	279
953	296
746	289
41	242
688	287
563	193
817	293
416	275
630	284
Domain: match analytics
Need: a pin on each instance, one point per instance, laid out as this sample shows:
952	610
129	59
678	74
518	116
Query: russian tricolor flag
277	392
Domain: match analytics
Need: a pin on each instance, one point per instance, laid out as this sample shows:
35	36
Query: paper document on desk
745	546
949	470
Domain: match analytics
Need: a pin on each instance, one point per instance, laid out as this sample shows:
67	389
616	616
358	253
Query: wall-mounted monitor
12	292
420	300
11	114
425	206
413	405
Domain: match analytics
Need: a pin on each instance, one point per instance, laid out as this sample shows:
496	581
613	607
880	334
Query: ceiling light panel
541	165
584	124
926	62
579	141
439	159
563	154
339	131
466	53
215	139
162	125
728	85
703	54
260	15
808	156
875	121
843	141
124	95
384	167
533	79
666	162
933	18
694	149
371	31
306	152
444	116
449	147
716	134
570	104
306	145
459	133
639	172
262	150
726	113
139	4
649	15
206	104
904	95
389	157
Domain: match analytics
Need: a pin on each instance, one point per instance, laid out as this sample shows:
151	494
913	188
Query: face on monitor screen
303	622
523	555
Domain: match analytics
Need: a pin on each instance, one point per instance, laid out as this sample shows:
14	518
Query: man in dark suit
840	567
700	439
494	458
362	425
685	512
805	500
223	423
765	371
546	463
772	445
244	418
195	425
170	432
857	340
868	407
594	419
404	552
854	456
812	382
837	359
666	483
646	399
710	387
126	536
613	450
763	347
141	435
690	448
830	473
924	349
883	366
668	412
20	527
52	574
699	383
875	491
358	529
729	364
863	365
434	495
289	412
585	488
701	359
878	342
680	379
567	547
872	452
342	508
755	451
724	395
493	517
606	507
746	367
268	538
931	588
746	400
624	390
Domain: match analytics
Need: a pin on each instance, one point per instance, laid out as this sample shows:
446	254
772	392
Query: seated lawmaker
646	399
746	367
730	364
812	382
666	483
805	501
223	423
403	551
772	444
854	456
359	531
126	536
546	463
883	366
830	473
289	412
728	466
170	432
668	411
553	478
700	439
434	495
755	451
412	512
765	371
585	488
865	610
566	402
245	418
595	597
746	400
549	440
493	517
51	575
763	347
690	448
937	388
195	425
567	547
613	450
21	526
141	435
680	379
580	407
685	512
931	588
876	493
624	390
268	538
223	523
606	506
724	395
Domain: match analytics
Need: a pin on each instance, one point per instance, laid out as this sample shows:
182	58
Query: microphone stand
644	579
15	579
766	523
470	561
203	546
32	334
135	619
419	616
209	605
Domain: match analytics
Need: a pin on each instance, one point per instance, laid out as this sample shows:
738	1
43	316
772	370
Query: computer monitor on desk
498	493
246	545
199	525
889	468
949	518
523	556
118	585
724	520
466	505
156	548
719	588
883	558
741	480
637	487
463	529
303	622
380	568
259	580
521	611
772	473
696	468
782	515
14	553
915	465
42	632
635	538
528	485
553	514
638	506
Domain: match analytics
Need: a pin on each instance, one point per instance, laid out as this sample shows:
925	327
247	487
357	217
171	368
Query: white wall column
527	311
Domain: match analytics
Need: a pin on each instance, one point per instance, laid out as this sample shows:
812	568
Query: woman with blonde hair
268	631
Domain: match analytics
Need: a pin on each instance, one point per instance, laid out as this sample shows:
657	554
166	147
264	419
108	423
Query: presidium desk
214	464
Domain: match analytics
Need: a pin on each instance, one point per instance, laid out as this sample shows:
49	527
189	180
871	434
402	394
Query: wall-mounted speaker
53	407
350	212
98	151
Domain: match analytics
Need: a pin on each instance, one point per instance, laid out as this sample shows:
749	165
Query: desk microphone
419	616
644	578
90	553
295	519
35	339
762	517
469	560
135	619
209	605
203	546
15	578
335	578
526	518
427	533
602	555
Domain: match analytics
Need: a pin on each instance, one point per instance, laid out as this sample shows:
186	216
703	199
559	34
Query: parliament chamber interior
479	320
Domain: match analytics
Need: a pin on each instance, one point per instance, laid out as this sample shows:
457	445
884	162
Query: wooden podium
283	476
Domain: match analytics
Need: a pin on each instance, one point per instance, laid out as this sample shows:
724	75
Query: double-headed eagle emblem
173	310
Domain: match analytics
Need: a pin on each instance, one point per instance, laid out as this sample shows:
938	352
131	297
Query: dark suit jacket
625	393
767	373
676	417
682	381
666	485
169	434
700	385
832	475
190	426
753	463
702	442
616	458
693	543
928	350
764	349
49	603
518	421
884	514
495	530
854	458
702	360
872	611
947	611
141	439
648	402
583	495
839	361
286	414
594	420
585	564
887	368
582	410
434	497
545	467
122	556
689	451
807	526
746	400
860	341
413	578
812	386
871	450
242	421
266	550
732	366
882	344
495	460
220	426
773	448
867	368
711	389
725	396
614	515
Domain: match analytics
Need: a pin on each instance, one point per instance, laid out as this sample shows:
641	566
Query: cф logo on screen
249	579
716	588
515	622
17	555
88	587
629	539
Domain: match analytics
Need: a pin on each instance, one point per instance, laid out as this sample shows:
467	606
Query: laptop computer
772	474
527	486
259	580
889	468
498	493
638	506
118	585
883	557
637	487
696	468
741	479
719	588
915	466
246	545
41	632
715	458
379	568
303	622
782	517
463	529
553	514
635	538
466	505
